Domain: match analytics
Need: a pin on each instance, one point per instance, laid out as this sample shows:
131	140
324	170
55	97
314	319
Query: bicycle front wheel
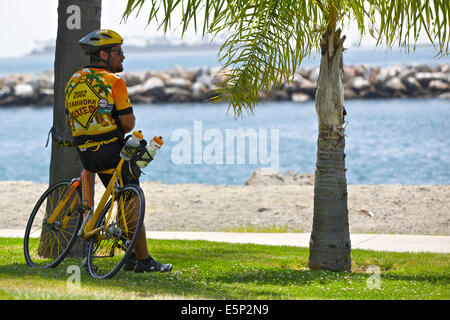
47	244
121	222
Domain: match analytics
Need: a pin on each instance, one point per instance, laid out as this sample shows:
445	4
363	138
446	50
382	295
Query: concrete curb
376	242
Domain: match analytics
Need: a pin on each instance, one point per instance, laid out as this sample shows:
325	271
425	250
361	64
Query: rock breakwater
198	85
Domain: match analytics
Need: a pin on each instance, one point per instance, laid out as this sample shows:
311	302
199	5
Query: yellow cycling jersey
94	97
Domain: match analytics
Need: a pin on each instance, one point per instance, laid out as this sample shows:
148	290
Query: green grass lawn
211	270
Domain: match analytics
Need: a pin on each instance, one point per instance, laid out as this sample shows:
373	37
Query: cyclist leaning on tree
99	112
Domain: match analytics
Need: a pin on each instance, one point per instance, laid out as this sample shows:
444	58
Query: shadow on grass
231	282
209	270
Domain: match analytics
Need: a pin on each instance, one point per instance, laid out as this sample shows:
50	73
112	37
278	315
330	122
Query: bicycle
65	211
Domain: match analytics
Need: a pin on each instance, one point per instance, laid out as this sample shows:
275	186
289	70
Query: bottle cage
134	169
140	151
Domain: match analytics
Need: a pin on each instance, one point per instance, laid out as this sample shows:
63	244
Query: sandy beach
388	209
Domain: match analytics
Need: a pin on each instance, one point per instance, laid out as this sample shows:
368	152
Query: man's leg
140	248
144	262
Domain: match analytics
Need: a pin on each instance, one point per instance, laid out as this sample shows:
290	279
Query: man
99	112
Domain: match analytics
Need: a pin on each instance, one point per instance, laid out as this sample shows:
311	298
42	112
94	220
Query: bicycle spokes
50	234
119	220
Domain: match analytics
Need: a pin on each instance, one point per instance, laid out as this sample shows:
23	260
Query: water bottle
130	146
154	145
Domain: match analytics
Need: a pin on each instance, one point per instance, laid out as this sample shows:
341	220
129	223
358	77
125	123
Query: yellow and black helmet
99	39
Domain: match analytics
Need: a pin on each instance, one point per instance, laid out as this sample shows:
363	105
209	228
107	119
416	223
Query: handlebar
58	139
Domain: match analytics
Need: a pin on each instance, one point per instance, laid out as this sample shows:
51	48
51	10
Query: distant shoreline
50	50
189	85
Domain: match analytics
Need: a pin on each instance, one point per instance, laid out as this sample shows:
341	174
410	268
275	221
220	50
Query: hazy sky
26	22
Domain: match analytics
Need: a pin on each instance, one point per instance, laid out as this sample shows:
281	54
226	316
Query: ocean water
161	60
396	141
388	141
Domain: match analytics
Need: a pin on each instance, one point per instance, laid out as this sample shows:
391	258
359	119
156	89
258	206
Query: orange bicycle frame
85	181
89	230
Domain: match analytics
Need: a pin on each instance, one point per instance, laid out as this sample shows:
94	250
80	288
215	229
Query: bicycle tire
46	245
108	251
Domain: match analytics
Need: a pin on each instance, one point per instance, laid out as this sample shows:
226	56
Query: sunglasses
118	51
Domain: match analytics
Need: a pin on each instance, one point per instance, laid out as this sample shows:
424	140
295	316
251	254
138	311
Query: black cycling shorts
111	162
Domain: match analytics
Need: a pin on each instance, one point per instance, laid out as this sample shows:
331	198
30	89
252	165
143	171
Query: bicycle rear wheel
47	244
108	250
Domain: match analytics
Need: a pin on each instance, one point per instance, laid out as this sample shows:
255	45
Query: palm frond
400	23
266	44
266	40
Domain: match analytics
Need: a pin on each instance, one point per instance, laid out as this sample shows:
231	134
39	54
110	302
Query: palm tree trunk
76	18
329	247
65	163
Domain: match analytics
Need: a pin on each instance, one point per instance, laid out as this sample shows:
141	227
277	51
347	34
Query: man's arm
123	106
127	122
